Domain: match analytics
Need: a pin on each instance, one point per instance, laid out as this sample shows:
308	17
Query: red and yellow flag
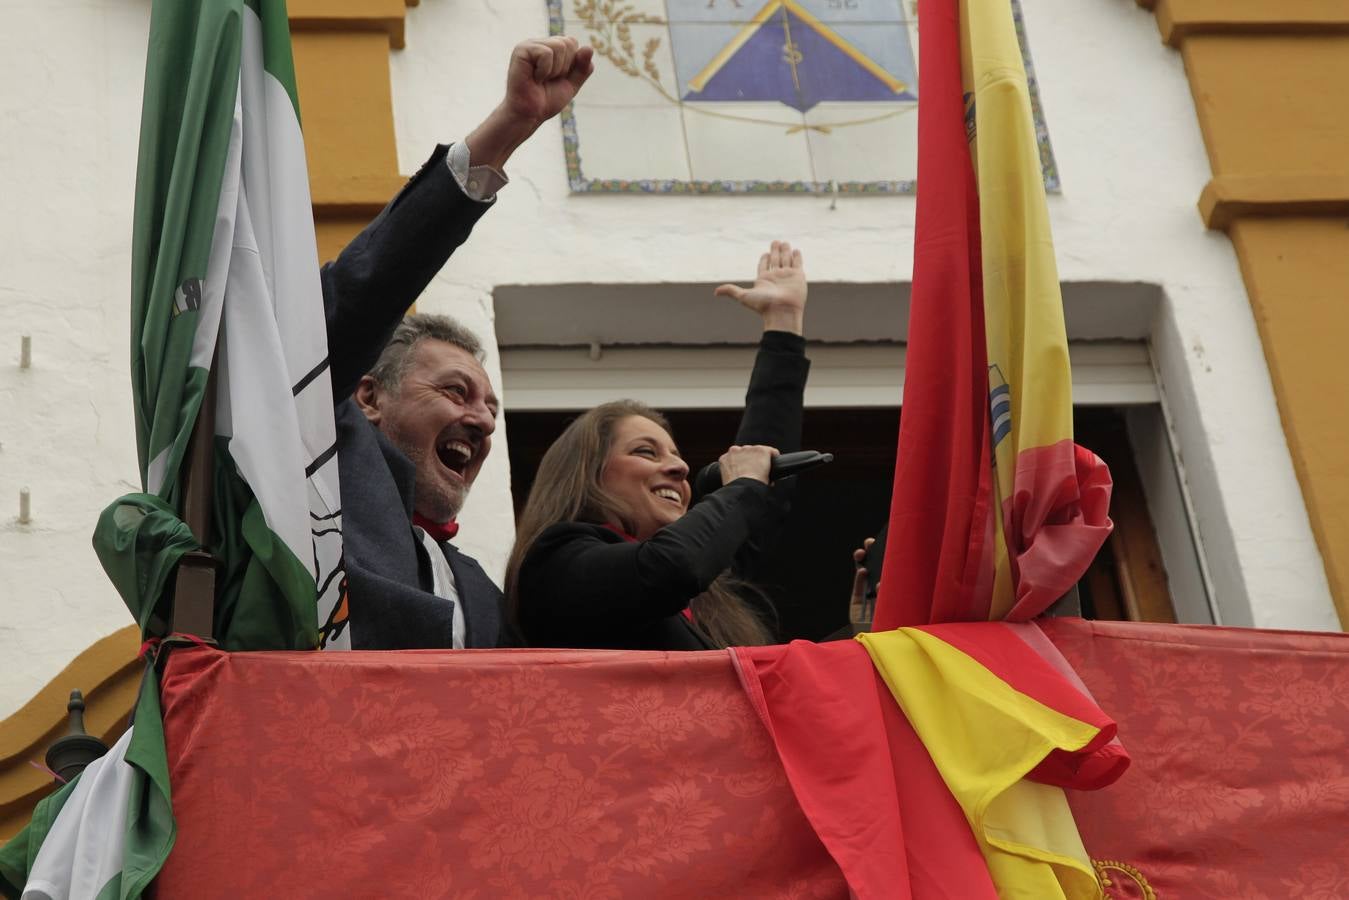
932	761
994	718
996	512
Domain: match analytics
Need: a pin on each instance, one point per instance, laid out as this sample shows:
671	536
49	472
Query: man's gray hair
396	359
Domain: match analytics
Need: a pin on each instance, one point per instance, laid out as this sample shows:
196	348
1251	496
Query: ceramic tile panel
843	138
633	143
634	65
834	12
912	26
736	11
770	95
742	142
608	10
696	47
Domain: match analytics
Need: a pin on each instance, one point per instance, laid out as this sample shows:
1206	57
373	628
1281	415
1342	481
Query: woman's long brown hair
567	489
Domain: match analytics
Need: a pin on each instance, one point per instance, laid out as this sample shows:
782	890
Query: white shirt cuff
479	183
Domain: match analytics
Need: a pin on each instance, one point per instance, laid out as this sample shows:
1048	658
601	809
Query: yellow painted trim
1180	19
342	15
1295	269
94	667
1229	197
1280	189
339	196
108	674
346	99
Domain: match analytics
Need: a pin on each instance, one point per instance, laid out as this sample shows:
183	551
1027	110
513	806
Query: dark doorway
839	505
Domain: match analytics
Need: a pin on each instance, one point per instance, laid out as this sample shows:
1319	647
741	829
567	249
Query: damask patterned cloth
603	774
1239	787
422	774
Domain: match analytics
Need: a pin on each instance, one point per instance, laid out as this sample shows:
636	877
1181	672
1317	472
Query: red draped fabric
593	774
1239	787
575	774
866	783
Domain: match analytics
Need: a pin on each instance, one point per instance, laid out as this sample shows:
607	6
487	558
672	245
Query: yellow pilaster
342	75
1268	83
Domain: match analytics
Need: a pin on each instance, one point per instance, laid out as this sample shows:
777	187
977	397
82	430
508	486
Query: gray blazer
365	292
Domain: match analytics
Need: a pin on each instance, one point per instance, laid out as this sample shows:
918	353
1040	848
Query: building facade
1199	214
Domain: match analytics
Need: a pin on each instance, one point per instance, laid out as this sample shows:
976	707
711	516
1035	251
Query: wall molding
1181	19
1280	190
342	15
108	673
1227	198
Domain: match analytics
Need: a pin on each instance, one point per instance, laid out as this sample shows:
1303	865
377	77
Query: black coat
365	292
584	585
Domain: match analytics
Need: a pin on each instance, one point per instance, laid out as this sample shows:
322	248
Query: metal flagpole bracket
72	752
194	596
195	584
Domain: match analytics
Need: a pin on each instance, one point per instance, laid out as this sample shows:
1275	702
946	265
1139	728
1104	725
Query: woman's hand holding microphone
751	461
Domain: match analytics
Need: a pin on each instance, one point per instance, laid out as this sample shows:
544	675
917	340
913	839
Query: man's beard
434	498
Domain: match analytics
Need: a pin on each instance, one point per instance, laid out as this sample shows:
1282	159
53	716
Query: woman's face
645	473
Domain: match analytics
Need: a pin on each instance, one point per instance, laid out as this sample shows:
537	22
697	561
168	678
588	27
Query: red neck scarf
621	533
439	531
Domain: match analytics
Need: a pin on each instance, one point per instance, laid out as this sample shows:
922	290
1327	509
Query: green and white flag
224	267
107	833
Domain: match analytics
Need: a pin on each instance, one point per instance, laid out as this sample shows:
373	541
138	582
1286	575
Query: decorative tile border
581	185
1048	166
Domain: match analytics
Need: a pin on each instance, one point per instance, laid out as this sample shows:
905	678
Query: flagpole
194	586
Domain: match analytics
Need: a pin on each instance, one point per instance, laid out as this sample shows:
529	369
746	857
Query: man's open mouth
455	456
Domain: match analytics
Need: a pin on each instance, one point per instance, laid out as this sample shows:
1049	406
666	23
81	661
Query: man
415	418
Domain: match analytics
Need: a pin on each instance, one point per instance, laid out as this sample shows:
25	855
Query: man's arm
386	267
543	76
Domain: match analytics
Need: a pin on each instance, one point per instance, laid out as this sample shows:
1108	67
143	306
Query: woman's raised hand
753	461
779	291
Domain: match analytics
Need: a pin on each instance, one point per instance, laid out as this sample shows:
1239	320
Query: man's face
441	416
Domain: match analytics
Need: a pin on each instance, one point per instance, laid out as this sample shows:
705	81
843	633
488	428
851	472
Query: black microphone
783	465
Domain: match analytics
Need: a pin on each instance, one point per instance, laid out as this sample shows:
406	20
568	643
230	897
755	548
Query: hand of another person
779	291
753	461
860	609
543	76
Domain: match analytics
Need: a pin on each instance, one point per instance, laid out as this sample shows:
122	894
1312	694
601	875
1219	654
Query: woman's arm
776	395
777	385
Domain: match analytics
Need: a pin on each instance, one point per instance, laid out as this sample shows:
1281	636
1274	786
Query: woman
608	553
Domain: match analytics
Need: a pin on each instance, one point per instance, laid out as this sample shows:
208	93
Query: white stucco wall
1129	152
70	92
